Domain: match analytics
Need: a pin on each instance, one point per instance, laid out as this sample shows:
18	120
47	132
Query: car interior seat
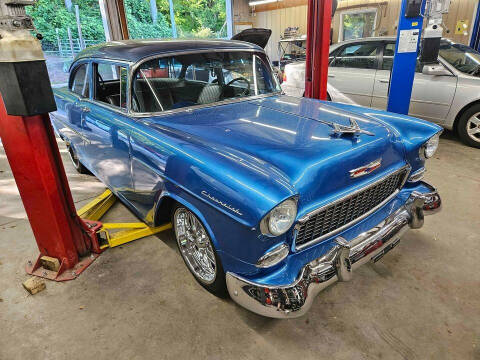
209	94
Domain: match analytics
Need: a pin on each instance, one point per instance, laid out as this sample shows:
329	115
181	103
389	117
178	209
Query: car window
388	54
461	57
358	55
80	83
110	84
201	78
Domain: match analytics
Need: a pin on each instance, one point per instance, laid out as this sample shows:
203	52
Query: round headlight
431	146
280	219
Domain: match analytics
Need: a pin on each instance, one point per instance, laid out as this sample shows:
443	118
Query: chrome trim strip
80	135
417	175
371	211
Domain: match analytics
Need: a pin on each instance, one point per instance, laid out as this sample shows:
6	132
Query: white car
294	84
447	94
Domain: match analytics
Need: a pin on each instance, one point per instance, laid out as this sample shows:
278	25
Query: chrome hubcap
195	246
473	127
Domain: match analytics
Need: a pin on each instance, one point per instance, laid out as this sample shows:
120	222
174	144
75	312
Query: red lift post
319	21
26	98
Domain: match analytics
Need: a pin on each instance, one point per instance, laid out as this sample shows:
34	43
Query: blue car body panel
231	163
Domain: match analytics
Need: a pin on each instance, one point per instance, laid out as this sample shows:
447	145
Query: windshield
462	57
201	78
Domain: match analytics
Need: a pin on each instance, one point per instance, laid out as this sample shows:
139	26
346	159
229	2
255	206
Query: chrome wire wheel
473	127
195	245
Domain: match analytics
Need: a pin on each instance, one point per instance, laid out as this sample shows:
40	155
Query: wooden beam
123	19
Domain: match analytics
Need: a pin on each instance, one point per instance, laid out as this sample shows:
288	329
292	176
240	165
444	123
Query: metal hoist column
319	19
26	98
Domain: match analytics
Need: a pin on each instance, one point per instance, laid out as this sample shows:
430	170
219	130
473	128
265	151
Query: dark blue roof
135	50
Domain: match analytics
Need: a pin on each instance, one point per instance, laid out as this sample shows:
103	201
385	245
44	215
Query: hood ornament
353	129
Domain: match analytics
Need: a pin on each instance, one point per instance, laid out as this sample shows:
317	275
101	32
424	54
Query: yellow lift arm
131	231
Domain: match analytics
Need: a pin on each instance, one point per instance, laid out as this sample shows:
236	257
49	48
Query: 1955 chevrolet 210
272	198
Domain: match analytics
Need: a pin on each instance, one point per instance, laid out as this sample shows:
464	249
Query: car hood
257	36
293	138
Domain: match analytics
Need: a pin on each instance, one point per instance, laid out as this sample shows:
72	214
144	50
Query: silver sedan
447	94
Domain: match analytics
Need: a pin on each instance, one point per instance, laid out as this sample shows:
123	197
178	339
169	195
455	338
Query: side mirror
437	69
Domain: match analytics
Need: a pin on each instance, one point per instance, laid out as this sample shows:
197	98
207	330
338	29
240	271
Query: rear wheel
468	126
198	252
76	162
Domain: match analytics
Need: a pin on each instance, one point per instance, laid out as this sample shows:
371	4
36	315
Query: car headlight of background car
428	149
280	218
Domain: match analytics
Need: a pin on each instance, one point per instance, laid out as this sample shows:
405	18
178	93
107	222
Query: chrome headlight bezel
268	226
430	147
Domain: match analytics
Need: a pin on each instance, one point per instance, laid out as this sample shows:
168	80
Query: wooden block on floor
34	285
50	263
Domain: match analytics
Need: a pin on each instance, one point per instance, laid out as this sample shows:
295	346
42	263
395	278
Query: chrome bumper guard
294	300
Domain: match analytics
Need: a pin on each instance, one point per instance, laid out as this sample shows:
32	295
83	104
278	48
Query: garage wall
277	16
279	19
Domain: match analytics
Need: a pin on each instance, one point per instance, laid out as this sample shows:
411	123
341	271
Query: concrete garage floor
422	301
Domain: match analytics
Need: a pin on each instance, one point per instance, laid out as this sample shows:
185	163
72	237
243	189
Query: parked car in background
294	84
447	94
272	197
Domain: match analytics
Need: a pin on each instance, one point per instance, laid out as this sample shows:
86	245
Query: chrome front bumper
294	300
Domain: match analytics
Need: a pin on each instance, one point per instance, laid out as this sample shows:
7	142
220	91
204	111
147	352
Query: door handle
332	76
384	81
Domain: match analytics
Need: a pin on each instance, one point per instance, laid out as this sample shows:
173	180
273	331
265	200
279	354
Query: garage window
357	24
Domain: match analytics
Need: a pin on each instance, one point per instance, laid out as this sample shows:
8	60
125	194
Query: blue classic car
272	198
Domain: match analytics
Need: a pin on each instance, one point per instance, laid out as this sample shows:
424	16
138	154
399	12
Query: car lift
94	211
67	242
102	235
319	19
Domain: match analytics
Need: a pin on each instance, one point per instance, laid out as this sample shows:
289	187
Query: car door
432	95
107	127
69	118
352	70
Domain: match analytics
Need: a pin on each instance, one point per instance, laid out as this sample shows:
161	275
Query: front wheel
468	126
198	252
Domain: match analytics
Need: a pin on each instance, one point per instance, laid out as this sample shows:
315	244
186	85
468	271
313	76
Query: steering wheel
247	89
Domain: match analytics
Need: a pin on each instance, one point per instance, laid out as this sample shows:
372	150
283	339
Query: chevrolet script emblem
367	169
354	129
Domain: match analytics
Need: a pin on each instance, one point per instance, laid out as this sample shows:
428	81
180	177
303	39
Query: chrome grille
332	217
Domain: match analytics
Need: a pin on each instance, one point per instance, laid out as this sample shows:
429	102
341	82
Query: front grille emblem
366	169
